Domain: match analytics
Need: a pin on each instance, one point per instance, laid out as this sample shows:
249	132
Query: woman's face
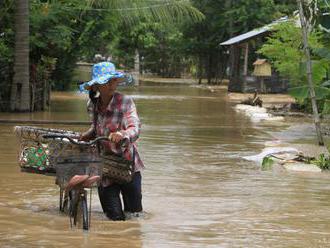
109	87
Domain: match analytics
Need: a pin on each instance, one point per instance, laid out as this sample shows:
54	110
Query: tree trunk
45	90
136	73
228	5
200	69
309	72
20	92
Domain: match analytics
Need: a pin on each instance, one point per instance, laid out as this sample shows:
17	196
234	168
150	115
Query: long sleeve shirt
120	115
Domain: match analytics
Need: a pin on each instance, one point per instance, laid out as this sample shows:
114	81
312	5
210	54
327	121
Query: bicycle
73	198
77	166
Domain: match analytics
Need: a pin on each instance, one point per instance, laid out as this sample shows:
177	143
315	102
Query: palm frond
134	10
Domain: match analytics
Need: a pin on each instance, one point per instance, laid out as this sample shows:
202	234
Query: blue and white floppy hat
101	74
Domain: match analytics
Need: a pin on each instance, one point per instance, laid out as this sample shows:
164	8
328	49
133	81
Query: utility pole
309	72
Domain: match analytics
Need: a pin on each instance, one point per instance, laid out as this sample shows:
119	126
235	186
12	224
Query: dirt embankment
269	100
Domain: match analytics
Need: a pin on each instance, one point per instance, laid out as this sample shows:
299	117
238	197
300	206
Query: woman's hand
116	137
87	136
84	137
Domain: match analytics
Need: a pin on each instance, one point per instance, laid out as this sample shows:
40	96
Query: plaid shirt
120	115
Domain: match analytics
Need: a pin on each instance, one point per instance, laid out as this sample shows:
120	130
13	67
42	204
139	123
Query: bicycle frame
76	197
73	201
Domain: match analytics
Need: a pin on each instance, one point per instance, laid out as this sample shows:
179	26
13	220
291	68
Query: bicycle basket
117	168
65	171
39	155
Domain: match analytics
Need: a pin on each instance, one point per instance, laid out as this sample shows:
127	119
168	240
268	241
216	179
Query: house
248	73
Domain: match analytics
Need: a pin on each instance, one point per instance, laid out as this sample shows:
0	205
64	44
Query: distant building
248	73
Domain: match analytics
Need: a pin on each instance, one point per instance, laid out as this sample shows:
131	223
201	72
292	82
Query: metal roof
253	33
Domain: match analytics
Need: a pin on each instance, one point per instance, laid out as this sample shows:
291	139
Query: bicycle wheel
85	216
73	204
81	218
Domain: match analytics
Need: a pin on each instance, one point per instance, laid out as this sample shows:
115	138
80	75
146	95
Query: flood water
197	189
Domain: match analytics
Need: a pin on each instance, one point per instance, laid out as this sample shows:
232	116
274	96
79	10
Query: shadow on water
197	189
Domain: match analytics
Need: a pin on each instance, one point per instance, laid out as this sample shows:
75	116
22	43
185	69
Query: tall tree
223	20
286	7
129	11
304	30
20	93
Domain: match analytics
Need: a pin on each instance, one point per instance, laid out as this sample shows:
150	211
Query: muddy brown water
197	189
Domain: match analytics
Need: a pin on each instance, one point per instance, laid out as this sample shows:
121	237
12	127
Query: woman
114	115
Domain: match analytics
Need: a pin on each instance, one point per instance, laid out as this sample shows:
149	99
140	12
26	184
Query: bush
323	162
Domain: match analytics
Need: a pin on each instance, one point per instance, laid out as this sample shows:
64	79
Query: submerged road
197	189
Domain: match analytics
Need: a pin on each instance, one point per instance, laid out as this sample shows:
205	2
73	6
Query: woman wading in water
114	115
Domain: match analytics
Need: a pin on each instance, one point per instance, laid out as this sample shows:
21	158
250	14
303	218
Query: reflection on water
197	189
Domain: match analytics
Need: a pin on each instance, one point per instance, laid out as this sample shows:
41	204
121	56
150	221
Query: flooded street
197	189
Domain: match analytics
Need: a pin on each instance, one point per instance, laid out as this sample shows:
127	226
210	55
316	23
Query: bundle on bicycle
76	165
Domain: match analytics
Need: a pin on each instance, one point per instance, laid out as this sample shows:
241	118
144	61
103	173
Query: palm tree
20	91
131	11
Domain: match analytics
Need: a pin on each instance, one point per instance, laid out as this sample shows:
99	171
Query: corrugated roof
253	33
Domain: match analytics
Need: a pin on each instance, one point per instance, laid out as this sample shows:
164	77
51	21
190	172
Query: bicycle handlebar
123	143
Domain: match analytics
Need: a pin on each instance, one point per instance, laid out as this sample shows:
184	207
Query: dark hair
92	94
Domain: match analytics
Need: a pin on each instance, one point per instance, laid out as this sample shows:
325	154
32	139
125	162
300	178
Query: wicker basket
39	155
63	159
65	171
117	168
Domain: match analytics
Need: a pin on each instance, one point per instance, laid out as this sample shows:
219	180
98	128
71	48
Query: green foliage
133	11
323	162
6	51
224	19
286	7
323	53
267	163
326	107
74	30
160	46
284	49
324	22
173	36
302	92
43	69
6	31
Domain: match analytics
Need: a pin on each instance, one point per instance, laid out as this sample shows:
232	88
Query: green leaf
321	92
326	107
323	162
326	84
324	22
322	52
267	163
302	92
319	71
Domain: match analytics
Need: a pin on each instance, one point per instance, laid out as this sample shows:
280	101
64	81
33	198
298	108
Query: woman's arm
131	122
